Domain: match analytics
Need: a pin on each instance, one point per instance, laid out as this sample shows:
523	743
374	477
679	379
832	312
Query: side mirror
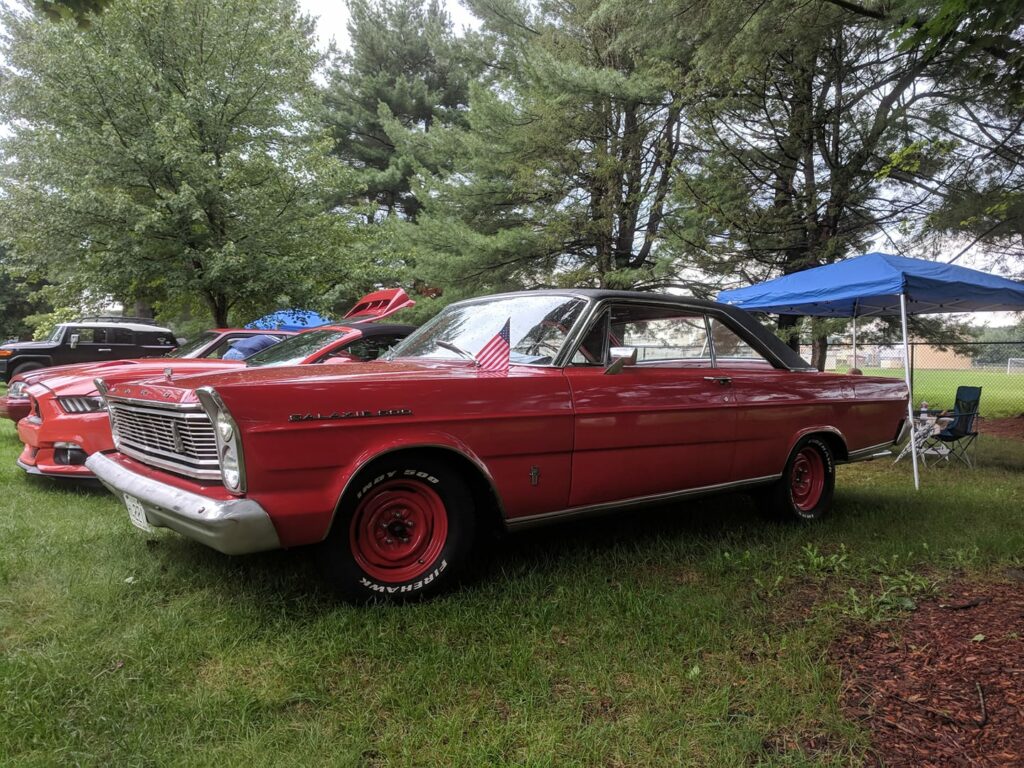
621	357
73	341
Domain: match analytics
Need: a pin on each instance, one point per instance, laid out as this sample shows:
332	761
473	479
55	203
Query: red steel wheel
405	528
398	530
807	479
805	490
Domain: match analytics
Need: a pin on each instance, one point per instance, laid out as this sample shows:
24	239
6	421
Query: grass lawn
693	634
1002	393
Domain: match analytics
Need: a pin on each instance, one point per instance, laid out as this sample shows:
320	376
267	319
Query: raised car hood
82	382
374	306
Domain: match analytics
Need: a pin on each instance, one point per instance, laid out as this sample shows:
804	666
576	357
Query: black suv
92	339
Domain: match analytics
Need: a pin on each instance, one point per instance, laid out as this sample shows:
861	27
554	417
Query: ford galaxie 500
505	411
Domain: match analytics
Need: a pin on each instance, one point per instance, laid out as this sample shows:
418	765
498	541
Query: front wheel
805	490
405	529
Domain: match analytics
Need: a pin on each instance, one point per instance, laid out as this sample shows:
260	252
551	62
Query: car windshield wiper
459	351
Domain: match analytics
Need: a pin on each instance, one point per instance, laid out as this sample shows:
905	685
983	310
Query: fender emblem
339	415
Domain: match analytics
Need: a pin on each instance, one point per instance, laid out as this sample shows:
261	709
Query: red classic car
207	345
395	468
68	419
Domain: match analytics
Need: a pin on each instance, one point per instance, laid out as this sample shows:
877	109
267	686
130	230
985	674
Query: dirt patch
1012	427
947	687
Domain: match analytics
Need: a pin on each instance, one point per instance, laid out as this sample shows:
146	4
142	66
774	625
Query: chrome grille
179	439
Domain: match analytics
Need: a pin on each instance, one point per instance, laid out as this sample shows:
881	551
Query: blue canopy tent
877	285
290	320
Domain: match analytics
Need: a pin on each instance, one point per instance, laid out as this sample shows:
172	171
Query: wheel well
18	365
485	498
835	443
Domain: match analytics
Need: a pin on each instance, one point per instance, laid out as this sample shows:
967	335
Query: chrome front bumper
234	526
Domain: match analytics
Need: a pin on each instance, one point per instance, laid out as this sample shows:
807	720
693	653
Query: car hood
27	345
182	390
72	369
82	382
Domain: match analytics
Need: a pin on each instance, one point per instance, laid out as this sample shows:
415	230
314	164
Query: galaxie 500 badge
338	415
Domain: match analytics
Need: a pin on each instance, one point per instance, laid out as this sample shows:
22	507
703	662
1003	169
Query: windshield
539	327
191	347
56	334
294	350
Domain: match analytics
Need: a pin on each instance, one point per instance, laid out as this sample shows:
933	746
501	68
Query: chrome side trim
234	526
867	454
572	513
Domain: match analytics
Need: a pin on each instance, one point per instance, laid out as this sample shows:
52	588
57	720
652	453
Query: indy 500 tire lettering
405	529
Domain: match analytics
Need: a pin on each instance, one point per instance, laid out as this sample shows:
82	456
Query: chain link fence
936	371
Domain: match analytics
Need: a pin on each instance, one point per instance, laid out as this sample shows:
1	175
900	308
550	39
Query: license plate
137	514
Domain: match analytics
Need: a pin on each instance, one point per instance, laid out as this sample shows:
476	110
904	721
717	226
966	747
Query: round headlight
225	429
17	389
229	470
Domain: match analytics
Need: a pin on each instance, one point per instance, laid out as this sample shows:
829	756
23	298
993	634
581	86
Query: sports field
1002	394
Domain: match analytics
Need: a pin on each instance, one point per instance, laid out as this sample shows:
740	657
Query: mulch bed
947	687
1012	427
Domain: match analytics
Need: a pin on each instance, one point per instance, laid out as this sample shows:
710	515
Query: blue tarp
290	320
870	286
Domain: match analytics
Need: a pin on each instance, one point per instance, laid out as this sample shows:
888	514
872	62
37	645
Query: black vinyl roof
741	321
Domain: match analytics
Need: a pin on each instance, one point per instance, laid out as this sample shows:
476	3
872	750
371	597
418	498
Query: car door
661	425
121	342
90	344
773	404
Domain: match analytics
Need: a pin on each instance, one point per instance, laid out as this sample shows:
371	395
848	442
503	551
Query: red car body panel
16	409
557	438
91	431
572	424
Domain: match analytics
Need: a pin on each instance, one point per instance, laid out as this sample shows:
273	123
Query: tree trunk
819	351
142	308
218	309
790	323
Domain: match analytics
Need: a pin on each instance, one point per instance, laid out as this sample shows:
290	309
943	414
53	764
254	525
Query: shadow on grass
291	581
67	485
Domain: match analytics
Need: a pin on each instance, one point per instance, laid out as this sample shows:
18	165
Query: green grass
1002	393
692	635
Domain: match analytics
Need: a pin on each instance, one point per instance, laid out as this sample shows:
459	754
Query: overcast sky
332	19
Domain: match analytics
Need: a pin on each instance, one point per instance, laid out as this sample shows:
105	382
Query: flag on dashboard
495	353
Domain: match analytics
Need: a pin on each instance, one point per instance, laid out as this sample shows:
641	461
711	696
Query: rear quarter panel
777	408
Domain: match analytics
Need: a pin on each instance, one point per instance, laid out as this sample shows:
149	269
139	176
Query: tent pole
910	404
855	339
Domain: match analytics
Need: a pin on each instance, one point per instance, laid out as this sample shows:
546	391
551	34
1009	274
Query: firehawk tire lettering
406	530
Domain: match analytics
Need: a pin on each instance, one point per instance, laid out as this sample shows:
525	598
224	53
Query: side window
593	350
369	348
661	334
120	336
731	349
162	339
88	335
222	347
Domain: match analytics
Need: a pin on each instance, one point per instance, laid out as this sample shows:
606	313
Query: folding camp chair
957	437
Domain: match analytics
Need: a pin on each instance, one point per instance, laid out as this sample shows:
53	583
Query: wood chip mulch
947	687
1012	427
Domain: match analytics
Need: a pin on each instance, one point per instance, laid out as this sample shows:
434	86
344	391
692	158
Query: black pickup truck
89	340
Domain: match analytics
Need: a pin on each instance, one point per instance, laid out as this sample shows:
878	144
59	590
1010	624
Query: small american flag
495	353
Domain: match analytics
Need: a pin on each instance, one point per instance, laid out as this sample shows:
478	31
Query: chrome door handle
723	380
103	349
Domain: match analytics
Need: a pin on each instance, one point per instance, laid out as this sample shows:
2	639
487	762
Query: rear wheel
806	488
406	529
